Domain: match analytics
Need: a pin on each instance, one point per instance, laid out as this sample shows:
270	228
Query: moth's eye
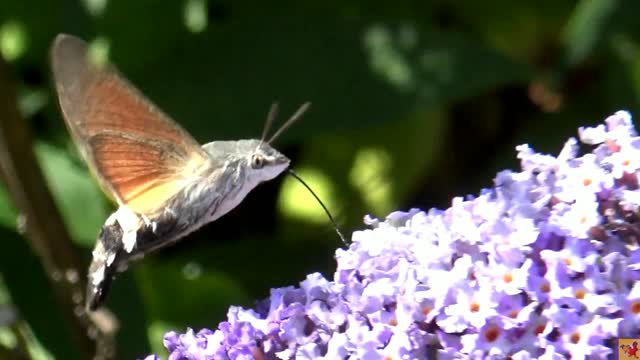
257	161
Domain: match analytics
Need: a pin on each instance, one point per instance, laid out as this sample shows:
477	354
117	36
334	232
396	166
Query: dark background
414	102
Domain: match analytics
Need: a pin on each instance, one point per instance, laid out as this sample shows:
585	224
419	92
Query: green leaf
438	67
586	26
78	197
180	293
356	71
528	26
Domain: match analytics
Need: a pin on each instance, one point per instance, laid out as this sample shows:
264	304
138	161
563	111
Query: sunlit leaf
296	201
195	15
371	175
586	26
13	40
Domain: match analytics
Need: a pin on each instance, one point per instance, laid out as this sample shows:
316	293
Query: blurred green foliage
414	102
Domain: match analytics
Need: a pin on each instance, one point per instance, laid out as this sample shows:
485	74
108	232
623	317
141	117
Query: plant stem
45	231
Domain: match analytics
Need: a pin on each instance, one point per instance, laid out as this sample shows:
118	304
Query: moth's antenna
335	225
291	120
273	113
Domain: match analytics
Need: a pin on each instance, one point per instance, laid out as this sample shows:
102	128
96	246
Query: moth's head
264	161
260	161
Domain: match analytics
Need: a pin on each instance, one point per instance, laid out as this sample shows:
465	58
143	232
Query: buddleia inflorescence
543	265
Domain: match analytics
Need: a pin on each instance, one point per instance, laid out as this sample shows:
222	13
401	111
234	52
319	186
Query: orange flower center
474	307
492	334
507	278
545	287
575	337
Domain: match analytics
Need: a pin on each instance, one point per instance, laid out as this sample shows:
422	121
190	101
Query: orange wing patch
140	156
140	172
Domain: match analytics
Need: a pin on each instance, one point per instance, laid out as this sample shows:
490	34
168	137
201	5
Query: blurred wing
138	153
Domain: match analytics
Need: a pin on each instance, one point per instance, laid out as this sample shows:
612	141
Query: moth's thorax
213	191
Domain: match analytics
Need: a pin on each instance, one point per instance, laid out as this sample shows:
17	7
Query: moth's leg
170	211
155	232
149	223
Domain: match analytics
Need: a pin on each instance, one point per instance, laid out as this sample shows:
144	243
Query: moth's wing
139	155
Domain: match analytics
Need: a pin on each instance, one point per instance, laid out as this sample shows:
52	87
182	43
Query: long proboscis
335	224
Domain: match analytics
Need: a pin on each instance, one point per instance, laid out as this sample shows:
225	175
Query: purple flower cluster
543	265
